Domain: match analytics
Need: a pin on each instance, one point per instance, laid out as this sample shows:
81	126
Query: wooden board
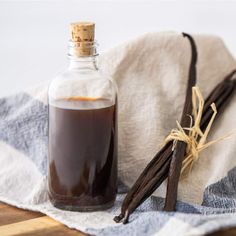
14	221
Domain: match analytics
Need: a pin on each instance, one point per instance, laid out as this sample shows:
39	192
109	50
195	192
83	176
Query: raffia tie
195	139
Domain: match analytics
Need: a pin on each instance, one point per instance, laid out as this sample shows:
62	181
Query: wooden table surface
15	221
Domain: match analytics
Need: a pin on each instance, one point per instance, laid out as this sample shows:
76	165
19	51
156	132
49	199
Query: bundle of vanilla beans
167	163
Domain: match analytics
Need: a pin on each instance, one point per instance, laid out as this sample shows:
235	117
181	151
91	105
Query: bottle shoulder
82	84
81	76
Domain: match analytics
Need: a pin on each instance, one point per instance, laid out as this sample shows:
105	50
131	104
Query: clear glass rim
89	45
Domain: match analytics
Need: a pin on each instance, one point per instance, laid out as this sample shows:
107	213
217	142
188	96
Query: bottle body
82	173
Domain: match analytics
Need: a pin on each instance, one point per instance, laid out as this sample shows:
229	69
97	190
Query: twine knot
195	138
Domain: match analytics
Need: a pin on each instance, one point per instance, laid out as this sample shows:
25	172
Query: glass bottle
82	170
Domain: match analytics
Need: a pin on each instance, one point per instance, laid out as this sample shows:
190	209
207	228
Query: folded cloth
151	73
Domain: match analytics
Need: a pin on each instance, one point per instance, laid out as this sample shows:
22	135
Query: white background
34	34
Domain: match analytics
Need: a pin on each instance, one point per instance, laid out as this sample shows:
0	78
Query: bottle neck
83	63
82	55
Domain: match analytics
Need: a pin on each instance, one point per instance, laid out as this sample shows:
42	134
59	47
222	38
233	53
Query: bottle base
68	207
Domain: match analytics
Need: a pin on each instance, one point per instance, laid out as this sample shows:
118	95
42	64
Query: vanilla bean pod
140	182
220	100
180	148
218	90
218	96
145	192
166	152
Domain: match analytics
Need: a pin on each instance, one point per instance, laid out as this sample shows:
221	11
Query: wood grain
224	232
28	226
15	221
9	214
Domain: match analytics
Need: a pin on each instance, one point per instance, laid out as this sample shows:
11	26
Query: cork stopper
82	35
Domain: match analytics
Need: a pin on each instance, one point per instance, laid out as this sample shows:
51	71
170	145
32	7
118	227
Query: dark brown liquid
82	158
